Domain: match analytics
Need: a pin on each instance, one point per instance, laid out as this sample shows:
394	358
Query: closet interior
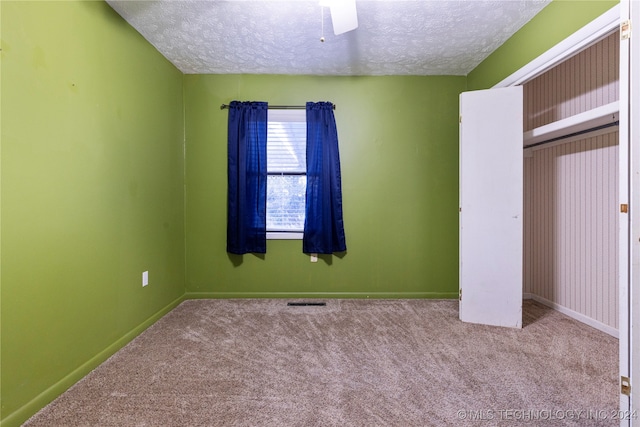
571	186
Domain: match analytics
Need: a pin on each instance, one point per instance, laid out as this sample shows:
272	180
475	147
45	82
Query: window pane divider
286	173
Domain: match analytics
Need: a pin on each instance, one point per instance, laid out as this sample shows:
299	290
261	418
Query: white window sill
274	235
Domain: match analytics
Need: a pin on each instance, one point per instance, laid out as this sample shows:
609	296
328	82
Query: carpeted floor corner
351	363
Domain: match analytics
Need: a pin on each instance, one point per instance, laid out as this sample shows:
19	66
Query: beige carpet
353	362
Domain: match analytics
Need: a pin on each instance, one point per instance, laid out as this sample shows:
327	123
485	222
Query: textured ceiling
394	37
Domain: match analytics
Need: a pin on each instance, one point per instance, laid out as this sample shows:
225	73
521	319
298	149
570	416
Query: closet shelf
591	119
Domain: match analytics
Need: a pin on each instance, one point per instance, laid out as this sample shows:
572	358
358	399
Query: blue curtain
323	225
247	175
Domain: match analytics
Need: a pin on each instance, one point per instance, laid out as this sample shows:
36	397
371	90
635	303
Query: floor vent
304	304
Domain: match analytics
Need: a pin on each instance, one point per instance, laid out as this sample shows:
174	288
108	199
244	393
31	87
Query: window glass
286	168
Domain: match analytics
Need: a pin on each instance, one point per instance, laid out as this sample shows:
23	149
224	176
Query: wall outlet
145	278
314	257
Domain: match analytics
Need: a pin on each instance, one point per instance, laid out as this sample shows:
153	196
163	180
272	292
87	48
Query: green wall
398	141
554	23
92	193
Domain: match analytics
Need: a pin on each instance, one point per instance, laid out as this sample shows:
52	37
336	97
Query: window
283	178
287	173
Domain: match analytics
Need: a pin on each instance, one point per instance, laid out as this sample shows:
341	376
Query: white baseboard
573	314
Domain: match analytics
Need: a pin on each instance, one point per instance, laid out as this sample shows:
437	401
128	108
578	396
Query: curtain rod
279	107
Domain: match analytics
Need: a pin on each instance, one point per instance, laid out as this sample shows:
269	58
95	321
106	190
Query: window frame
286	115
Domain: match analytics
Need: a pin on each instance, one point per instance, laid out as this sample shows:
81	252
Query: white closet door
629	260
491	203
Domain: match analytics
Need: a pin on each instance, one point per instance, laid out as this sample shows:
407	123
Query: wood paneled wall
587	80
571	192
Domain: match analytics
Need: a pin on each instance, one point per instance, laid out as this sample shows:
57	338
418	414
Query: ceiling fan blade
343	16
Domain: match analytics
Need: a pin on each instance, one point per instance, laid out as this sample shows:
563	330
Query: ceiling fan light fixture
343	15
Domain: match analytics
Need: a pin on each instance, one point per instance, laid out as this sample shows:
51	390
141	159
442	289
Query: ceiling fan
343	15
